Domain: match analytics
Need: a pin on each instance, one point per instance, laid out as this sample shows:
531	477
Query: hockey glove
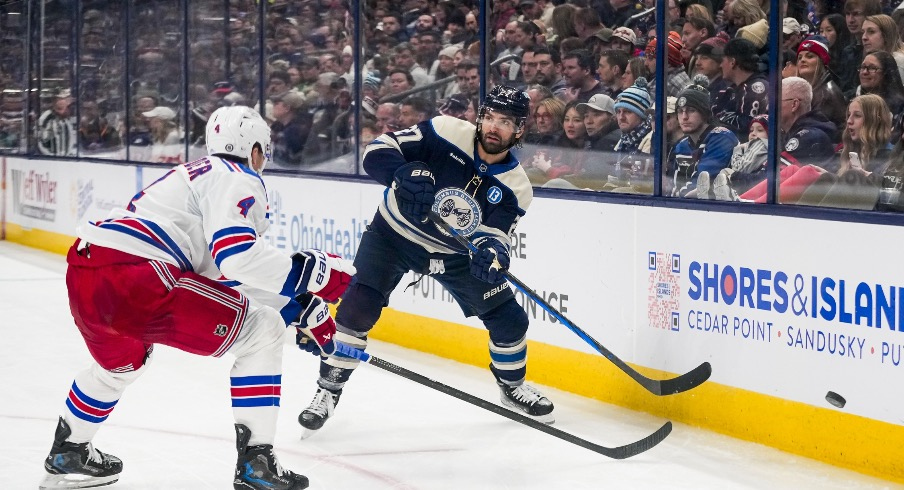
490	260
323	274
413	184
315	327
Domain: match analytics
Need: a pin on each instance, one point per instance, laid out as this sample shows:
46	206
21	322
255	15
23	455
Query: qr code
663	290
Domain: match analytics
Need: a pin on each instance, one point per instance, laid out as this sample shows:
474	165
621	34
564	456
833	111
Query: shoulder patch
719	129
792	144
758	87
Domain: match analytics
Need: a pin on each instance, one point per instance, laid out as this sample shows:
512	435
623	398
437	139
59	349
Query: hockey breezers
684	382
620	452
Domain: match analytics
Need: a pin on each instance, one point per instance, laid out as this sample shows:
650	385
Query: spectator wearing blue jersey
706	147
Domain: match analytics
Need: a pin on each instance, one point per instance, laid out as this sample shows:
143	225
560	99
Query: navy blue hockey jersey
475	198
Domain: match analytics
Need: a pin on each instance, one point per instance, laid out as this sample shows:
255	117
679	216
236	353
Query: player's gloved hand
490	260
414	190
323	274
315	327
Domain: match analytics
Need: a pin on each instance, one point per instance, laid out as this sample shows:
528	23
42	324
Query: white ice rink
173	427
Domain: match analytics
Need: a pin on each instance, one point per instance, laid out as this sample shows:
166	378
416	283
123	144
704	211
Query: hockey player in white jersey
171	269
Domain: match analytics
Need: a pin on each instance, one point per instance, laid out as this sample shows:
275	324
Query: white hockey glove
315	327
323	274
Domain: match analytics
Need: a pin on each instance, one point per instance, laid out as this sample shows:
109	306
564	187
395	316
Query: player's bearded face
498	133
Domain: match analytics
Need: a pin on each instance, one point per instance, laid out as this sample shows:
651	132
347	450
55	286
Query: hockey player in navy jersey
171	269
467	175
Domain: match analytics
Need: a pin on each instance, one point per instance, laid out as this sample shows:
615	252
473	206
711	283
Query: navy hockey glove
315	327
490	260
414	190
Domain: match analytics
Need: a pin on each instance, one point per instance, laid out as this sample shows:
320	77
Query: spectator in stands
676	76
791	29
468	77
867	135
600	123
444	67
748	163
392	27
56	128
807	135
166	147
880	33
455	106
636	68
706	147
748	96
414	110
695	31
548	116
388	117
573	132
586	22
833	28
879	75
562	23
672	128
291	128
403	59
813	58
95	134
855	12
400	80
624	39
549	70
634	124
577	68
610	69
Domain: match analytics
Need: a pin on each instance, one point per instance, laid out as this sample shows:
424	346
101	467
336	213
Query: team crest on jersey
792	144
758	87
458	209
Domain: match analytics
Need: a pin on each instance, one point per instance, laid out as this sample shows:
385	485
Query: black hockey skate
527	399
78	465
258	469
321	408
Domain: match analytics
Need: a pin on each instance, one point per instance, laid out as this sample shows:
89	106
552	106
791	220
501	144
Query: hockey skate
258	469
528	400
78	465
321	408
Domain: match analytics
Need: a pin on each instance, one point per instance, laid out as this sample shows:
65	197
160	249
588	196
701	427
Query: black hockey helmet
507	100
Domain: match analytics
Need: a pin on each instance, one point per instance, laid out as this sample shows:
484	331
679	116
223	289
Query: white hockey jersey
204	216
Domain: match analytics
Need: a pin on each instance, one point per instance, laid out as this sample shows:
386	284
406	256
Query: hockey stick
684	382
620	452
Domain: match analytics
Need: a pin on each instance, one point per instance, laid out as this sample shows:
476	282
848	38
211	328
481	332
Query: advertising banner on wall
777	305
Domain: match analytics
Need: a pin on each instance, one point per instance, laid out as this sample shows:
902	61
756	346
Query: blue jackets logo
458	209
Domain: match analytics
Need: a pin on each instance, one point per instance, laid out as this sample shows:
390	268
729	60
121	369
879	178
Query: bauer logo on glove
323	274
315	326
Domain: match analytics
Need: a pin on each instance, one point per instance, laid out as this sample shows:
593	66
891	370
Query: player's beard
498	145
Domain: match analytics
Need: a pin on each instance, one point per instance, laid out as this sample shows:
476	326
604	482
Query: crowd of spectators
588	66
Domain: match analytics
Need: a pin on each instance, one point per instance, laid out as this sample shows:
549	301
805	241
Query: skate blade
547	419
306	433
73	480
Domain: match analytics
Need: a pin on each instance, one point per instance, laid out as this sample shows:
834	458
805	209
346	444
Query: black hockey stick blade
684	382
620	452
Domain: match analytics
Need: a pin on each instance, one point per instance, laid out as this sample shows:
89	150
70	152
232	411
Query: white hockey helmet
234	130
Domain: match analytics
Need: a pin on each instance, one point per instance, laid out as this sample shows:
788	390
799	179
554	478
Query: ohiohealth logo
826	298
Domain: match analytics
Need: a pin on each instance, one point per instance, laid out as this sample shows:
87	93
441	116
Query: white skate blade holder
73	480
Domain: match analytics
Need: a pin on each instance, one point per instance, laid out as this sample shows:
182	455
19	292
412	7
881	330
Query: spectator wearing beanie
708	62
705	149
748	98
757	33
812	65
677	77
631	110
